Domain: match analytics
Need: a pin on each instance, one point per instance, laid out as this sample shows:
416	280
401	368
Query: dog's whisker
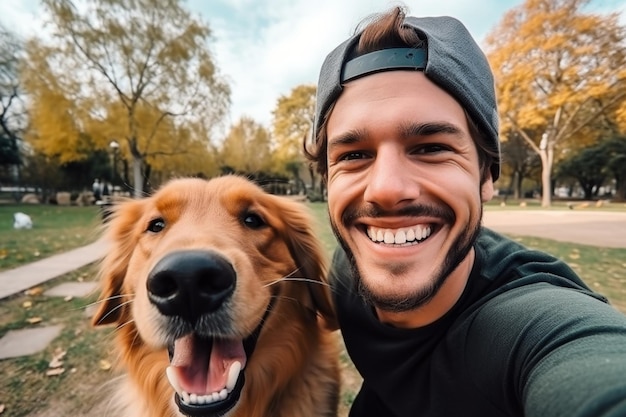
126	323
137	336
301	279
113	297
114	309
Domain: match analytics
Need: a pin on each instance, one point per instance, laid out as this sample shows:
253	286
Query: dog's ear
119	234
307	251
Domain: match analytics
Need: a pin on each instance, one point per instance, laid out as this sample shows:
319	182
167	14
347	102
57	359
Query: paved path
594	228
16	280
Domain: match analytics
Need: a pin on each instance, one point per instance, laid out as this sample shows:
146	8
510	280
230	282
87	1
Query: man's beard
394	303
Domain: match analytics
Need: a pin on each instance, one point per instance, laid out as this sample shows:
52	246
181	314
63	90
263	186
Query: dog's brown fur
294	370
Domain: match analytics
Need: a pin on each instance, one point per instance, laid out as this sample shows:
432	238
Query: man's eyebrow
347	138
407	130
427	129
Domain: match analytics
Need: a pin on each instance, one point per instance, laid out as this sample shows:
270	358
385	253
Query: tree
593	165
615	148
519	162
127	70
12	118
246	148
588	167
293	123
558	71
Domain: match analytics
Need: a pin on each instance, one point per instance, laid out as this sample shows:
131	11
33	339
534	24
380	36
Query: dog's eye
156	225
253	220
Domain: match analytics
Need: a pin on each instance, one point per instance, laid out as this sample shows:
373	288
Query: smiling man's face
404	191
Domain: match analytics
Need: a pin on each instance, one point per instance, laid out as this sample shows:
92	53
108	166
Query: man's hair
390	30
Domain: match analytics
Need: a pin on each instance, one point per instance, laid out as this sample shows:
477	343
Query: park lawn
56	229
602	269
26	391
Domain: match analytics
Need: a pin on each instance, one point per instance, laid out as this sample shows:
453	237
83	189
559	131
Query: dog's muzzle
188	286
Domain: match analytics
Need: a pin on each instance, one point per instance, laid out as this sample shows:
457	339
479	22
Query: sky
265	48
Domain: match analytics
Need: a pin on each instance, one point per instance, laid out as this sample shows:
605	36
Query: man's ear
486	188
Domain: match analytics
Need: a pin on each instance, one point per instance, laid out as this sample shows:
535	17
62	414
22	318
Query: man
441	316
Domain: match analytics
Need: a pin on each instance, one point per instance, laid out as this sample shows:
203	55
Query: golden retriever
217	290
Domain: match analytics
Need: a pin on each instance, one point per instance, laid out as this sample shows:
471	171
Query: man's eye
350	156
156	225
429	149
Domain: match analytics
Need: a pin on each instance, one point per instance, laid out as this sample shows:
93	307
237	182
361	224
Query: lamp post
115	146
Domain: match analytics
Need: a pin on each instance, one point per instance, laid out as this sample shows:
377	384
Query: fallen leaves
575	254
55	372
105	365
34	291
55	366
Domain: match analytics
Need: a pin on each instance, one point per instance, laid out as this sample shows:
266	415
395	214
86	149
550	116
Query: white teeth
233	374
399	236
204	399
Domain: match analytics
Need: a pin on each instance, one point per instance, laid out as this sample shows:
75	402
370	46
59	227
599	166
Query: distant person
97	189
441	316
105	189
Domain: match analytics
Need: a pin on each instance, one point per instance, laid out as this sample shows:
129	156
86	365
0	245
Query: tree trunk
546	180
137	178
546	152
620	188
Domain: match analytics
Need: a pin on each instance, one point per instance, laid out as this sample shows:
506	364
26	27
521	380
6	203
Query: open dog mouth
206	374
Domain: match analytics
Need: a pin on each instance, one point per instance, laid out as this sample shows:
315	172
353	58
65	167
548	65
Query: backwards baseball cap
450	58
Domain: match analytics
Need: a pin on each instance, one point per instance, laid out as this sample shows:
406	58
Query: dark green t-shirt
526	338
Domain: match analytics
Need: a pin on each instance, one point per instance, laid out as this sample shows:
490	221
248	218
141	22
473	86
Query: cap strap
384	60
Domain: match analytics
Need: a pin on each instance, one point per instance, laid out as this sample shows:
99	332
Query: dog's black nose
190	283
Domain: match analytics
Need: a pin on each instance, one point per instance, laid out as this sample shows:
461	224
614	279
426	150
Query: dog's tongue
202	365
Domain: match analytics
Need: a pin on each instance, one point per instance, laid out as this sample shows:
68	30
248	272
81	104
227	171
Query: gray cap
454	62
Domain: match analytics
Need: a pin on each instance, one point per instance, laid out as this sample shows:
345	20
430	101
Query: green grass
602	269
55	229
25	390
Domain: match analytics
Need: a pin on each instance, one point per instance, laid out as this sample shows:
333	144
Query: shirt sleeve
550	351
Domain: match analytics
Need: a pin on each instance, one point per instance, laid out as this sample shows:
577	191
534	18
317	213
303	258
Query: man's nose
392	182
